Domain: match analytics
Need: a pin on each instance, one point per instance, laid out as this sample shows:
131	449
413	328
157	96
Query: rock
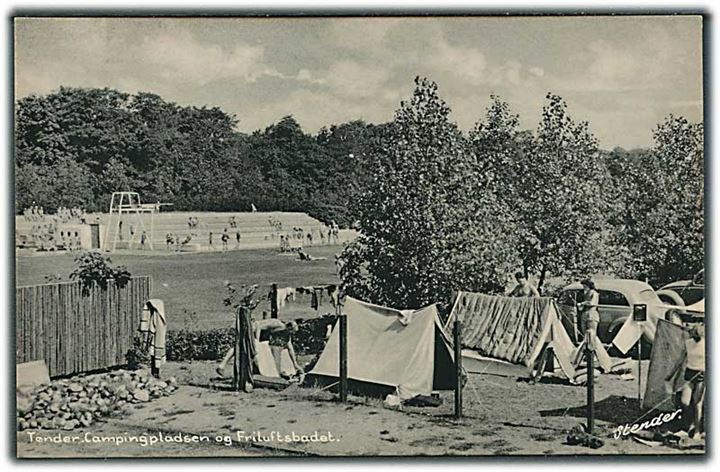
141	396
75	387
70	425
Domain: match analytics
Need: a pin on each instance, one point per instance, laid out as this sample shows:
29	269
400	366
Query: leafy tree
660	218
553	182
427	226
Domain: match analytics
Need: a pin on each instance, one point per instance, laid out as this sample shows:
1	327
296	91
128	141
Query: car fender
672	295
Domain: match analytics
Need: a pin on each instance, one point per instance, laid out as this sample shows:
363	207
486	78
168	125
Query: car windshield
648	295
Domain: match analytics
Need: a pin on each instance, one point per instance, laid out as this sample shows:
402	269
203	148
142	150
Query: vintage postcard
359	236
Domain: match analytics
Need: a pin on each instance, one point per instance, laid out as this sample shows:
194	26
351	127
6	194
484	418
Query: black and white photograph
360	235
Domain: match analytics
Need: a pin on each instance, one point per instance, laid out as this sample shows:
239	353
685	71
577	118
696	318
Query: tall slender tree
428	226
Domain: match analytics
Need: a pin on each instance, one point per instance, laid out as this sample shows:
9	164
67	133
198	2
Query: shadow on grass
614	409
548	380
220	387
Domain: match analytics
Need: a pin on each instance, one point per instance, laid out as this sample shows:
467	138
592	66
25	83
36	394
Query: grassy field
192	285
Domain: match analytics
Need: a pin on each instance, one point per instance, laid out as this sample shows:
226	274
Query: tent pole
639	343
590	357
237	364
457	341
342	319
274	302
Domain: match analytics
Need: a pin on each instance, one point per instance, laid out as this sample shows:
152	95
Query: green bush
94	268
212	344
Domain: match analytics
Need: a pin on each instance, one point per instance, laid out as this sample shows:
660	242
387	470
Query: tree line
439	209
76	146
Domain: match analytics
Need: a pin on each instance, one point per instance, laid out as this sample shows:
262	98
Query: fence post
457	340
342	319
273	302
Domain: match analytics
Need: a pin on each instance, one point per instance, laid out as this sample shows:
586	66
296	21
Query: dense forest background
547	200
76	146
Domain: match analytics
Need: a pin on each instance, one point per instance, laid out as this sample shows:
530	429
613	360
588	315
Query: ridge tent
516	330
389	350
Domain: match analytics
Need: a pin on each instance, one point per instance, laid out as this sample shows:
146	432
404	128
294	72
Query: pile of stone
80	401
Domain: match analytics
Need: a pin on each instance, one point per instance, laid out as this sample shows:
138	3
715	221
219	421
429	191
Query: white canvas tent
389	350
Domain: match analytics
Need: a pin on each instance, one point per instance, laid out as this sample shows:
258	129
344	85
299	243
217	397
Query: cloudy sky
623	75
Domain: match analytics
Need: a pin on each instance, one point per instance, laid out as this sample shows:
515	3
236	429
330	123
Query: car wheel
612	350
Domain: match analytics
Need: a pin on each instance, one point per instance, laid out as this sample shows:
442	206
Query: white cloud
182	58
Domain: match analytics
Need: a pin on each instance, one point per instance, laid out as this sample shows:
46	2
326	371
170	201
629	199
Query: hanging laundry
319	294
283	294
153	326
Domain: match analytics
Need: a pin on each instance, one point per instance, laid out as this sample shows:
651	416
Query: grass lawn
192	285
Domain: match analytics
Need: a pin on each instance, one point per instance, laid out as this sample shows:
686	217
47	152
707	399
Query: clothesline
316	292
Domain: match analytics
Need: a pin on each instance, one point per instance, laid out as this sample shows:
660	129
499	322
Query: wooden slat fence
76	333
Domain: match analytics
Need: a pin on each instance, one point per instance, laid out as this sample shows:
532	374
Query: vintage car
684	292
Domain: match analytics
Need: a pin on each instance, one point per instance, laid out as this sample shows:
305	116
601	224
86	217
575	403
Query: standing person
688	377
237	239
120	230
210	241
225	238
693	392
523	287
589	316
143	240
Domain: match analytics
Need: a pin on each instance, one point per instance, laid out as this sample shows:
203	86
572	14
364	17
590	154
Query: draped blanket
505	328
153	325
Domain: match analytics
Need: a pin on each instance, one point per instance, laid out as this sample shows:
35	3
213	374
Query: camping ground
503	416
